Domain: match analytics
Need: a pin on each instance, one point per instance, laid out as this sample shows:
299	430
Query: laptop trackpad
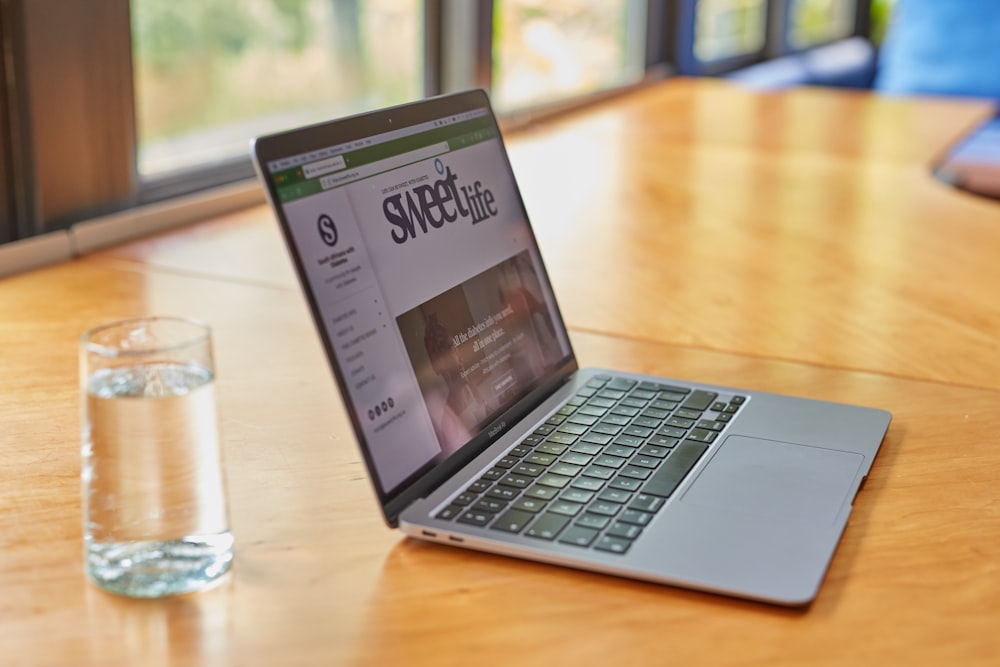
776	479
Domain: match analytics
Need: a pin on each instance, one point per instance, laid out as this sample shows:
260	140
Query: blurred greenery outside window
545	50
729	28
211	74
881	12
812	22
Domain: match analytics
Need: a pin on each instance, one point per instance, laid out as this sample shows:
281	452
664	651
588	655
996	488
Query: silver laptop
479	430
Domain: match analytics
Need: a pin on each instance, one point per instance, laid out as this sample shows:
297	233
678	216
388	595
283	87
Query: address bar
379	166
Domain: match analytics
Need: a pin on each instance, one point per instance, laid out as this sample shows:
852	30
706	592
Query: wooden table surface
791	242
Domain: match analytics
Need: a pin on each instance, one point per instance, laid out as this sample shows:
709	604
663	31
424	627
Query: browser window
428	282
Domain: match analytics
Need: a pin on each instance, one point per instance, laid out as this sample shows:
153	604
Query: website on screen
427	281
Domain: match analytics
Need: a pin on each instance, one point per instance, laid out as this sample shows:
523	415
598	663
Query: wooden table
790	242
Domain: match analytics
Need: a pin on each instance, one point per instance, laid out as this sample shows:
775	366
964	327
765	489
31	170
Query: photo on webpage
479	346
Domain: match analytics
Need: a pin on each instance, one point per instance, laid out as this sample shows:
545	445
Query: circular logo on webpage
327	230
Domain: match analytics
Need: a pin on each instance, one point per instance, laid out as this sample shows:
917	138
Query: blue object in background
942	47
847	63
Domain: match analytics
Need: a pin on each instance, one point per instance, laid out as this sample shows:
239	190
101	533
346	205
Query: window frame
89	114
860	27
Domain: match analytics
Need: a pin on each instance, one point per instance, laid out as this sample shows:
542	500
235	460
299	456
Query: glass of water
155	519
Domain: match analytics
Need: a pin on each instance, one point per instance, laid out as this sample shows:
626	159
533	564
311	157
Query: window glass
729	28
210	74
545	50
816	21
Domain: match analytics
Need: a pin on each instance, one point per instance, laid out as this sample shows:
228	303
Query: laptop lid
424	279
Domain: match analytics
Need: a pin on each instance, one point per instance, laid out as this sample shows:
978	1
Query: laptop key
587	448
480	485
476	518
576	458
609	461
621	384
512	521
528	469
516	481
551	448
567	469
607	429
620	451
597	438
636	472
647	422
491	505
675	467
463	499
503	492
702	435
629	440
578	536
577	495
658	451
602	402
449	512
547	526
617	420
639	431
625	483
572	429
615	495
593	521
646	503
636	517
600	472
542	492
604	508
494	474
555	481
616	545
628	531
699	400
565	508
662	441
527	504
588	483
644	461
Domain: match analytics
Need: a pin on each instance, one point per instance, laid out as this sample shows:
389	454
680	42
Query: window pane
817	21
728	28
544	50
210	74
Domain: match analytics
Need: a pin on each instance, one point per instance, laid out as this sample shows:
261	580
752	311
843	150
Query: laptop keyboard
596	472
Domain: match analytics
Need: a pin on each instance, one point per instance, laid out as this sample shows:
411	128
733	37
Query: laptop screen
425	279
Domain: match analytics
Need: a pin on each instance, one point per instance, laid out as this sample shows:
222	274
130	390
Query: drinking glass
155	518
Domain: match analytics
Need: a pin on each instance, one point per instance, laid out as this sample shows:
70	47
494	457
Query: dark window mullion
79	102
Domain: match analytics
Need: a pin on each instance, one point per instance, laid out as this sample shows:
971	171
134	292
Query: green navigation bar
293	184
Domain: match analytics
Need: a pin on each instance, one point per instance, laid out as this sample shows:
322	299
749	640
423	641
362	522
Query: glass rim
87	343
